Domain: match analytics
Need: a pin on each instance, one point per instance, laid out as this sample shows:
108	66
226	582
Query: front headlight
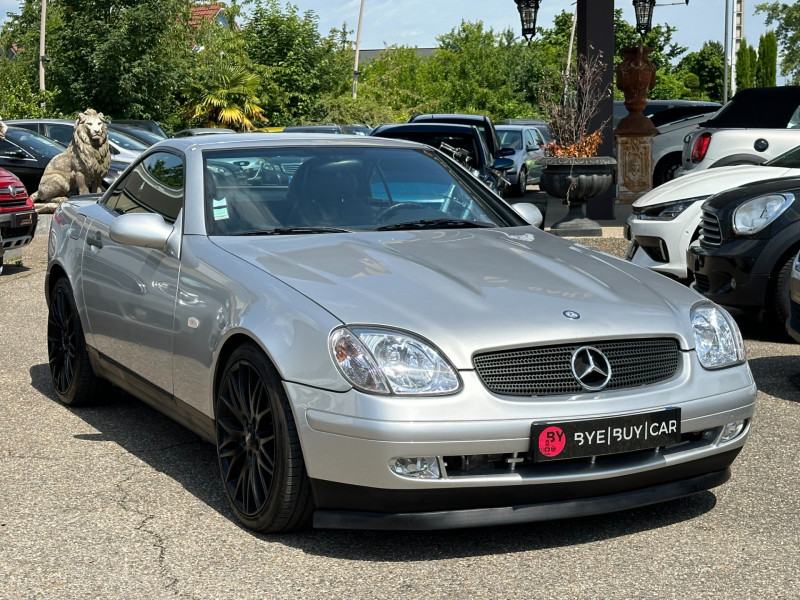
754	215
380	361
668	211
717	338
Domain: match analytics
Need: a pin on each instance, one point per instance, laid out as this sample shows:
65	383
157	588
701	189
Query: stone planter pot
576	180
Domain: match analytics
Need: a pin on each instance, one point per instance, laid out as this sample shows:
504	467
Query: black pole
596	32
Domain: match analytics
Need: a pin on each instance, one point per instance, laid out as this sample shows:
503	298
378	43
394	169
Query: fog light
419	467
731	430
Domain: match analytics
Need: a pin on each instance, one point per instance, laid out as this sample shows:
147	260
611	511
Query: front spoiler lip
508	515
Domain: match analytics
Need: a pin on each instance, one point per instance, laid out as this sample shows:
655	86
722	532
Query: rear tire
258	448
522	183
70	370
665	169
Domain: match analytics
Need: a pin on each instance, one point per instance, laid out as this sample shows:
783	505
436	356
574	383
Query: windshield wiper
434	224
296	231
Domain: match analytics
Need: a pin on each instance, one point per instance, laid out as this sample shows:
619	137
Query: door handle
96	241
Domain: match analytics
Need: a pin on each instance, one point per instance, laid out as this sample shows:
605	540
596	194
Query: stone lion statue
81	167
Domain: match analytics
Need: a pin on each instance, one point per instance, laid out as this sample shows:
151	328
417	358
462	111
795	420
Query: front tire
780	303
70	370
258	448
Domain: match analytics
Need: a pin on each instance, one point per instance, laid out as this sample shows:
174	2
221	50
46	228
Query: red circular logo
552	441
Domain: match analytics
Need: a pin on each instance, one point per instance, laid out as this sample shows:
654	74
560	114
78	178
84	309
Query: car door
130	292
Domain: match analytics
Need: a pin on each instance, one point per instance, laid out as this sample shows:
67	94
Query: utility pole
358	49
42	57
726	62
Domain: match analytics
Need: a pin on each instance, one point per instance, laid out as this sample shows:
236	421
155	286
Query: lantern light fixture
527	15
644	15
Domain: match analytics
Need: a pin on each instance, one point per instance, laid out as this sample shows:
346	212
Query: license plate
628	433
23	219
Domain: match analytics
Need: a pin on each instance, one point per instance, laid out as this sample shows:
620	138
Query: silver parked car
528	145
373	339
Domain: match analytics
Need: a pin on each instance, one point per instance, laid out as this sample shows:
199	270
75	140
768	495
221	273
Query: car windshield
125	141
510	138
788	160
38	144
300	190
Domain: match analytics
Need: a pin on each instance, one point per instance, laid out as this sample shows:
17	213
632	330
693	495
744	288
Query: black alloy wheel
70	370
781	306
259	452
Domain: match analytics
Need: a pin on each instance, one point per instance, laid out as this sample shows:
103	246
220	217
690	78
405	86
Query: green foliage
17	99
128	58
745	69
787	32
300	63
229	99
767	65
708	65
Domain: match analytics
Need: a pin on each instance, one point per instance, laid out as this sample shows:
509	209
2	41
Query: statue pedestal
634	165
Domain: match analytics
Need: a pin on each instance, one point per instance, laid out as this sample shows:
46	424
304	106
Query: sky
419	22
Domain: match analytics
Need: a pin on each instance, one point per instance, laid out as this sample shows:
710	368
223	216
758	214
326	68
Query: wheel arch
740	159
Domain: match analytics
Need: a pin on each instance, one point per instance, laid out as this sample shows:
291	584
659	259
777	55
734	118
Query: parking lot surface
117	501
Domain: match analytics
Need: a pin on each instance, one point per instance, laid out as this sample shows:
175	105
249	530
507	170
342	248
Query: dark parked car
145	136
313	129
462	142
17	215
541	126
667	111
748	240
26	154
122	147
481	122
147	124
201	131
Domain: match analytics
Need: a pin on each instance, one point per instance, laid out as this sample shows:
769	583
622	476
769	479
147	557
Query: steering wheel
394	209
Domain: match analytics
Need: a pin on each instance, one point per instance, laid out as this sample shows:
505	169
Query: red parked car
18	217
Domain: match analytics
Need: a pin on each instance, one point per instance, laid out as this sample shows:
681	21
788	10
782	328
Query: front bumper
661	245
348	456
727	274
18	228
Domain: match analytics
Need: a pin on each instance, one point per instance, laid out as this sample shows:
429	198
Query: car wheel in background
522	182
71	372
259	452
666	168
780	304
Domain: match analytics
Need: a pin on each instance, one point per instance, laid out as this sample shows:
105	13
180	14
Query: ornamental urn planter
576	180
636	76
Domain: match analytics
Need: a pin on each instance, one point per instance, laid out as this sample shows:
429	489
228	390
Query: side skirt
162	401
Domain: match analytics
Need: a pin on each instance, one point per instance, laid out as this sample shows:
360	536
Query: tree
707	64
127	58
745	70
767	64
229	99
787	17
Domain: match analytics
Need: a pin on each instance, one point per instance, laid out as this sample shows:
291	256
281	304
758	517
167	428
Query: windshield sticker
220	208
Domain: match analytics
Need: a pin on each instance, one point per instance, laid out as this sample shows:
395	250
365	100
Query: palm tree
230	99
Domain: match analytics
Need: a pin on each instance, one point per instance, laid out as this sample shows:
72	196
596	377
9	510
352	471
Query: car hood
709	181
468	290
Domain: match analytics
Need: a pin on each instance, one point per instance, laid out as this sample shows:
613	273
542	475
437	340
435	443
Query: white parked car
757	125
666	220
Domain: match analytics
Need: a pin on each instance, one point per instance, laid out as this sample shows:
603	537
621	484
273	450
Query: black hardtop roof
760	108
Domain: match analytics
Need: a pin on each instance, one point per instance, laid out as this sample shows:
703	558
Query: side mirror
503	164
507	152
145	230
529	212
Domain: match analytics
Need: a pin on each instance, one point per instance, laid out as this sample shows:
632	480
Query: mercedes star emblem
591	368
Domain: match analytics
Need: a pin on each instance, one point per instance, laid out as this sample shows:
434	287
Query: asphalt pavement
116	501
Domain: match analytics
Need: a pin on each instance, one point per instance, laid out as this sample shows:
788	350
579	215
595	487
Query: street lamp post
358	49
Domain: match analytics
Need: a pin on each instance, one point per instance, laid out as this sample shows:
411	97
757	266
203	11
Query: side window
155	185
61	133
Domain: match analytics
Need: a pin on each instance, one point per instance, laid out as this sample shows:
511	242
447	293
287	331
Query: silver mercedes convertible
372	339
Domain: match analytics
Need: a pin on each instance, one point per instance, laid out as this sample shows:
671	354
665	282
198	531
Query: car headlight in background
717	338
754	215
668	211
381	361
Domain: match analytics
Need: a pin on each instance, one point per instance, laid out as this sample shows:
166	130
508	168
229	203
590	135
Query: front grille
702	283
546	371
6	202
710	231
